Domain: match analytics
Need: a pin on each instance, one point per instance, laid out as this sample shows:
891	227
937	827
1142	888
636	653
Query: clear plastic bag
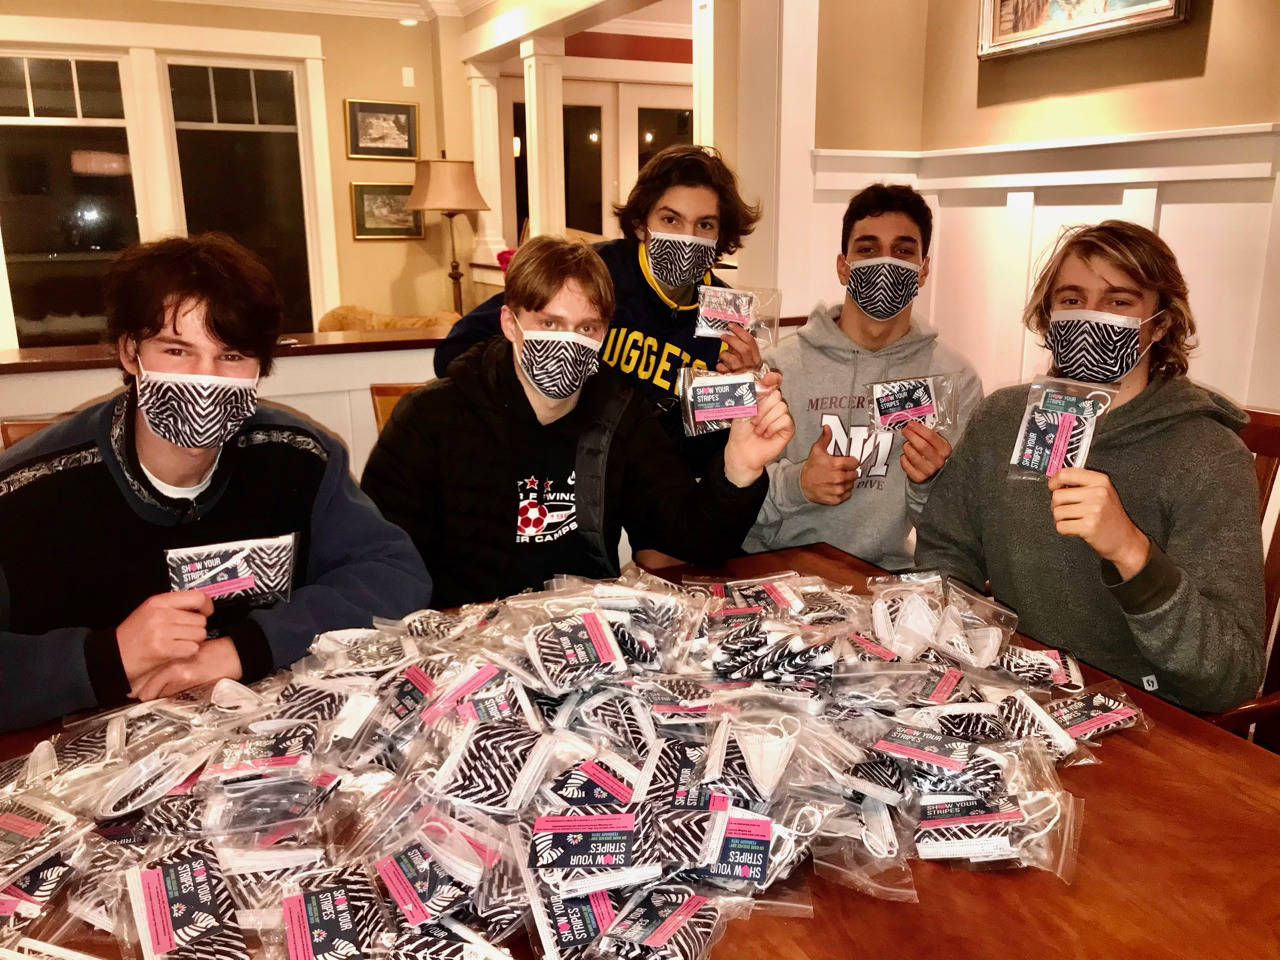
27	899
669	922
755	309
973	629
863	848
928	400
711	401
1040	668
332	913
905	611
33	827
1057	426
1098	710
256	879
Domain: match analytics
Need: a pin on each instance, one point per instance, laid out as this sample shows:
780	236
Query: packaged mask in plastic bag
1098	710
32	829
747	757
720	309
333	913
27	899
978	722
711	401
256	879
905	611
1025	717
573	650
669	922
273	748
928	400
1058	426
495	766
623	718
973	768
973	629
1040	668
236	575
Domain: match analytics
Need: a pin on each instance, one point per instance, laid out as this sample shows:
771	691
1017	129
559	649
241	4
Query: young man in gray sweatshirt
1147	562
839	481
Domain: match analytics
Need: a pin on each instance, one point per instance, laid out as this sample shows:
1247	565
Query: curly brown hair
687	165
1147	259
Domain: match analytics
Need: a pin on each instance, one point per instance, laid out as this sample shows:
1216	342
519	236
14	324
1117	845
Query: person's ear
924	272
842	269
1160	326
642	232
510	325
128	351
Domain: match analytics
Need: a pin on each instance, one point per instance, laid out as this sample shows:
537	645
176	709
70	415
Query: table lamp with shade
450	187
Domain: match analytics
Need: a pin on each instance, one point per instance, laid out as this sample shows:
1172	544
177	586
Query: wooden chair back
11	431
385	397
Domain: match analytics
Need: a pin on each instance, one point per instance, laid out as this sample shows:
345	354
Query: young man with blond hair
530	457
1147	561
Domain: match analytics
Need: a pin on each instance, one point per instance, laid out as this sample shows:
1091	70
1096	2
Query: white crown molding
645	28
447	8
375	9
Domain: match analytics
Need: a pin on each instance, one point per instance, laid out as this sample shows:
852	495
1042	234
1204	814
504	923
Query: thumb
823	442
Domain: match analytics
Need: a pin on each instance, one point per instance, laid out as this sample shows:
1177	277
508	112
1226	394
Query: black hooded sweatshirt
497	502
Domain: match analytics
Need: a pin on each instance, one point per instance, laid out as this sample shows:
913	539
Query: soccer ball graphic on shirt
530	518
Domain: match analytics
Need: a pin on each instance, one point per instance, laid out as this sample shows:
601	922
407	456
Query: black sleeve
480	324
700	522
401	476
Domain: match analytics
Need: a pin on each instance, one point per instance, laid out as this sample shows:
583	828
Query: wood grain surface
1179	854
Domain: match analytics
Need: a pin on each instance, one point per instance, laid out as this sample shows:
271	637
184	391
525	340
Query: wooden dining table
1179	853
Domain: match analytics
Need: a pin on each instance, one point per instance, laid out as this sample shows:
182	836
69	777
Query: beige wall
904	74
871	67
363	58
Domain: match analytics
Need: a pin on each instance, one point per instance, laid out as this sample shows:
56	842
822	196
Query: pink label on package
464	689
674	922
187	785
914	413
738	611
297	931
21	825
419	679
1061	440
156	906
260	763
595	631
402	891
224	587
873	648
1007	816
924	756
1088	726
725	413
8	908
728	316
602	909
677	708
594	823
776	595
741	828
1060	674
946	685
719	802
607	780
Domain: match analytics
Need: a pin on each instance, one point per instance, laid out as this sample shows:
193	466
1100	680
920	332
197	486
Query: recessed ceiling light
408	23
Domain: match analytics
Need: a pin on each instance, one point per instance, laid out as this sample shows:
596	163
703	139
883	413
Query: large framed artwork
382	130
1016	26
378	212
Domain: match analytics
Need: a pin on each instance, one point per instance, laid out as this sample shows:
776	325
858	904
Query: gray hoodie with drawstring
825	379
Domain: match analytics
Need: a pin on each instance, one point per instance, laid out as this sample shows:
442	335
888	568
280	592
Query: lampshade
445	185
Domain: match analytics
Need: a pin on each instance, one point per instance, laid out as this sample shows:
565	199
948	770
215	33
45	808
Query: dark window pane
13	88
99	82
233	95
262	172
582	182
522	168
659	128
192	98
274	89
66	208
51	92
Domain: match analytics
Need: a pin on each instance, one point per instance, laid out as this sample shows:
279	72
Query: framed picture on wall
378	212
381	130
1016	26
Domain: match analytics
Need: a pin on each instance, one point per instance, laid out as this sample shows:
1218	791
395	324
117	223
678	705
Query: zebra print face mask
678	259
194	410
883	287
558	364
1093	345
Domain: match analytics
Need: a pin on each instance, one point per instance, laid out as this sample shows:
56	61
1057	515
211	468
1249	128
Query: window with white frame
114	141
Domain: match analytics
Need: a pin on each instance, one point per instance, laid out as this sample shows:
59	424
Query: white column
704	61
322	240
482	78
153	153
544	124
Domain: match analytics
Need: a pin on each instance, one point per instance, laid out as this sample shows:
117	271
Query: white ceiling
667	17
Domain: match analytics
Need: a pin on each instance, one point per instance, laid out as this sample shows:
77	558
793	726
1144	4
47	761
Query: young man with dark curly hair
184	457
684	212
1147	561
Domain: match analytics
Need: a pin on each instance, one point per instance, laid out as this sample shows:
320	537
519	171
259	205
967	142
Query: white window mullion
75	89
317	187
8	323
157	182
26	78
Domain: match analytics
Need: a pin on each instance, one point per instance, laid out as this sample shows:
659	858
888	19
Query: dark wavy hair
686	165
881	198
242	304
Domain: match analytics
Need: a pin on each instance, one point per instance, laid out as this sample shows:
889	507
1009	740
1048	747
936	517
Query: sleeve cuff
253	649
106	670
1148	589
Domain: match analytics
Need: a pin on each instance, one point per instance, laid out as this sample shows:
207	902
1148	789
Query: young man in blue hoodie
839	480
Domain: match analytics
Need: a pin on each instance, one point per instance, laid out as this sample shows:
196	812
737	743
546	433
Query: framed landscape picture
378	212
1016	26
381	130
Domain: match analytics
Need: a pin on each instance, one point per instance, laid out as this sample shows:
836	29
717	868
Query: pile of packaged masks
616	768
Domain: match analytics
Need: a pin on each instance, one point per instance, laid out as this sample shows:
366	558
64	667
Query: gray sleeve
949	531
1196	608
967	394
785	497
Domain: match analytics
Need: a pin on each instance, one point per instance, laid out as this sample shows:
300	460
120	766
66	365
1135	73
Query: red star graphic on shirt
531	483
546	487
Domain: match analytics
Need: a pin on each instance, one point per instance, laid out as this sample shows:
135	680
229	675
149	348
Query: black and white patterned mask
558	363
1093	345
882	287
194	410
678	259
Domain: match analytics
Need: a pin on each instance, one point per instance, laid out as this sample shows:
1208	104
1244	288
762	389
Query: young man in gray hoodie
839	481
1147	562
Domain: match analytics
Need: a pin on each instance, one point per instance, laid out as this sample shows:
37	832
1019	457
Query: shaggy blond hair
1149	262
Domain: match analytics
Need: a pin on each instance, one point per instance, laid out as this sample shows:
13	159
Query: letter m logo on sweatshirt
872	448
